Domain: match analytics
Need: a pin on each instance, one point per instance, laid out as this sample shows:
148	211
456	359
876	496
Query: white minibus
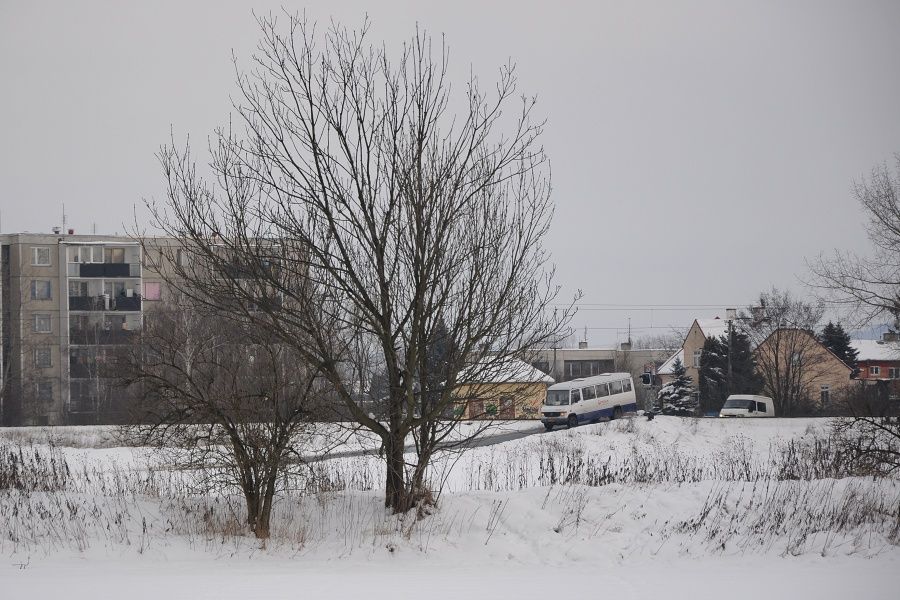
746	405
588	399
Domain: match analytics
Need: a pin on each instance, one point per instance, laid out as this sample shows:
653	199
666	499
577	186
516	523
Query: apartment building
70	305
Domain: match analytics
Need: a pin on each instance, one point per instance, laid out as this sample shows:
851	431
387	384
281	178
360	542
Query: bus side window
761	406
576	396
588	393
602	390
626	385
615	387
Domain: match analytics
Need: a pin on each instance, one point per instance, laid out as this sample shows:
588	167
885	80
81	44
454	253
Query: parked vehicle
569	403
745	405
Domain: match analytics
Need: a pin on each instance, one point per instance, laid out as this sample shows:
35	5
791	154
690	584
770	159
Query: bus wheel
617	412
572	422
548	426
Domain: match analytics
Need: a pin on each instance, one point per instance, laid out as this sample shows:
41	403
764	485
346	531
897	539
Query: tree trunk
396	496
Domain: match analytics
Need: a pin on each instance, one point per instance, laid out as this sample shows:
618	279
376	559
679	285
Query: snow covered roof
713	327
666	367
511	370
876	349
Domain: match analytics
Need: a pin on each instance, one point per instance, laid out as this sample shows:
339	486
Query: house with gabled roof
692	348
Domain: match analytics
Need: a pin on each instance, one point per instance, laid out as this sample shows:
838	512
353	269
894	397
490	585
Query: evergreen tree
713	374
677	397
714	383
745	378
837	340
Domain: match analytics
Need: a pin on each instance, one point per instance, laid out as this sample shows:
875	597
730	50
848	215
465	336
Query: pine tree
837	340
714	383
677	396
713	374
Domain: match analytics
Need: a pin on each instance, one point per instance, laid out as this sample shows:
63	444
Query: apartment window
825	394
115	255
42	323
697	356
151	290
894	372
43	358
180	257
581	368
41	290
875	371
40	256
43	389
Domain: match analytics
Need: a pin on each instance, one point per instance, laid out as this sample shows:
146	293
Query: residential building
510	390
878	364
800	373
71	304
692	349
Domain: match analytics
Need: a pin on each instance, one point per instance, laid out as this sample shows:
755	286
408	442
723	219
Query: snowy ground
675	508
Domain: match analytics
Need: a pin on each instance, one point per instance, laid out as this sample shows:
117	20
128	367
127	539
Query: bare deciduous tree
788	355
221	397
387	218
869	288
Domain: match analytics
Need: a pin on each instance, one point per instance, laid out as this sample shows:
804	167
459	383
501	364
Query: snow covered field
675	508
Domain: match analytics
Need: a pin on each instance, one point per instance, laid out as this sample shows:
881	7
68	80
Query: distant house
510	389
692	348
878	363
800	373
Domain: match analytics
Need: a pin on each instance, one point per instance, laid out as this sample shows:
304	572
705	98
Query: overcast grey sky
700	150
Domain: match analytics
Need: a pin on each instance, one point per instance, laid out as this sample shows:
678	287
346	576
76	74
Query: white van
589	399
745	405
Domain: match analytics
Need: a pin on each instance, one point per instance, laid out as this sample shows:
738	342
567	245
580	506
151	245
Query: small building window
894	372
40	256
41	290
43	357
152	291
698	354
42	323
874	370
825	394
44	390
115	255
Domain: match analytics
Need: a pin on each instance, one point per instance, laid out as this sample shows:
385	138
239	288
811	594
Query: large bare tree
394	214
868	288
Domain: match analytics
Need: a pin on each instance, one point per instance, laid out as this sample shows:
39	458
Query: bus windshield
739	403
557	398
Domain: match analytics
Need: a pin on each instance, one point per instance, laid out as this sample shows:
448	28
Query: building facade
71	304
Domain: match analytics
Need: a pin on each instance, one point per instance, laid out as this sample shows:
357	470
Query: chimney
71	232
56	230
582	345
625	346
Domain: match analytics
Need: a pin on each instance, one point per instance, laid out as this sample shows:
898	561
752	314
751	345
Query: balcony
105	303
99	336
106	270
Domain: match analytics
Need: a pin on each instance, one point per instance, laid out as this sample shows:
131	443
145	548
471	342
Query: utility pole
730	316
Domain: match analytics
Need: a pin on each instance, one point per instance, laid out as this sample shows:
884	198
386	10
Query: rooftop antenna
629	331
94	228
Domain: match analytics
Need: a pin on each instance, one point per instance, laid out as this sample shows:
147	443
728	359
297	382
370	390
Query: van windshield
739	403
557	398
